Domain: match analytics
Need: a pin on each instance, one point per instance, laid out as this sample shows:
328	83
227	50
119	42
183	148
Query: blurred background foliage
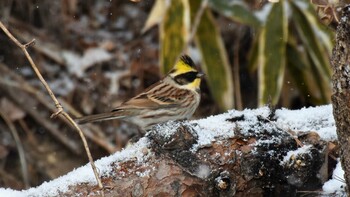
96	54
289	42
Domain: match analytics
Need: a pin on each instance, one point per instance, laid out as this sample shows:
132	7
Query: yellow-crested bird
175	97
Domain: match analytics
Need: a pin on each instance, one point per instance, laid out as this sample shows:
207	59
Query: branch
60	110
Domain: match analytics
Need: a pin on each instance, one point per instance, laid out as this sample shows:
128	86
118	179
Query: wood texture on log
341	90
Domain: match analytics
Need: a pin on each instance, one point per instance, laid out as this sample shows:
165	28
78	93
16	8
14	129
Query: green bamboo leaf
254	53
236	10
299	70
322	32
322	84
214	59
305	74
174	31
311	39
273	54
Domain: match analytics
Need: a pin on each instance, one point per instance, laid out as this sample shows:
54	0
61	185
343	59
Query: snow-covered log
242	153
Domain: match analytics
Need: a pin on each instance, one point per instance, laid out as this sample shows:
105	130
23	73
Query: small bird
175	97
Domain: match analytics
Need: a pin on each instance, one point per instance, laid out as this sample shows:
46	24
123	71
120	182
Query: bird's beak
200	75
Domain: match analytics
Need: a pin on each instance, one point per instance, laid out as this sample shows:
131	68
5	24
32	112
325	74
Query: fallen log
241	153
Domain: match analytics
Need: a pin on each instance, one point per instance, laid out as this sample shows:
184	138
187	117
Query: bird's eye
186	78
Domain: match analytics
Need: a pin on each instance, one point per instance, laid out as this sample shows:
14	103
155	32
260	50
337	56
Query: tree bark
341	90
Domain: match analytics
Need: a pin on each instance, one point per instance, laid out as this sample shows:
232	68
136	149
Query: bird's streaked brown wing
151	99
148	100
145	101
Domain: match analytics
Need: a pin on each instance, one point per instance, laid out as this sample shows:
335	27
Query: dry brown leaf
108	45
313	137
156	15
3	152
11	110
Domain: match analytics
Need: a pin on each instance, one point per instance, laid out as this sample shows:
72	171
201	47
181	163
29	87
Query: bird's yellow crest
183	65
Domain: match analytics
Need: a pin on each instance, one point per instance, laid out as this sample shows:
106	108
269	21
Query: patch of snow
62	86
11	192
120	22
167	129
114	84
144	174
251	121
262	142
319	119
203	171
336	185
83	174
211	127
344	19
26	71
73	61
301	150
78	64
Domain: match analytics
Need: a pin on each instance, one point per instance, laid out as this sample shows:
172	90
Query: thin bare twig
36	70
20	149
53	97
91	131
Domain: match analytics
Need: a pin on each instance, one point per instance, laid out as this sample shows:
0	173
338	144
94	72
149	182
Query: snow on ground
220	126
293	153
317	119
335	185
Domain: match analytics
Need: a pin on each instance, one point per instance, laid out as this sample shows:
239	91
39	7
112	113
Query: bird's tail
99	117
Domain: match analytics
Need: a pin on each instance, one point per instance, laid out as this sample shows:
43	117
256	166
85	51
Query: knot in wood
223	182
